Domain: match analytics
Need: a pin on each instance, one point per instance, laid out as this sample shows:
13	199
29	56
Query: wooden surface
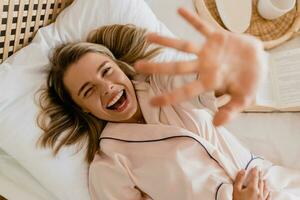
20	19
271	32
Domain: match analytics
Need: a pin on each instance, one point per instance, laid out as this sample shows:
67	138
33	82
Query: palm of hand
229	62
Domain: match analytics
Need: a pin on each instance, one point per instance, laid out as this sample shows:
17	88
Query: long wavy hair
61	119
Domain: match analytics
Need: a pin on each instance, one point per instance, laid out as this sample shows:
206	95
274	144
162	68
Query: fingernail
150	36
156	101
153	102
254	170
138	63
217	121
180	9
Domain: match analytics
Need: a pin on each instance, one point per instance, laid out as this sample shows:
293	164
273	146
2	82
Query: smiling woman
89	81
98	85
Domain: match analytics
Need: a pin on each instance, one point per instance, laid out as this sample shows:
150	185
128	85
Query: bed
276	136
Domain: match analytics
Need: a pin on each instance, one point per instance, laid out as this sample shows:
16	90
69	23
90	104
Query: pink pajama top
178	154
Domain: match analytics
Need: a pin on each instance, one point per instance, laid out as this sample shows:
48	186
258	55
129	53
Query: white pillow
17	183
21	76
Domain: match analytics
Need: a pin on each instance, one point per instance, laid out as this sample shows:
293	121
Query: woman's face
100	87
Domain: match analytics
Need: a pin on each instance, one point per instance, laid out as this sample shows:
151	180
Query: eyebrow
85	84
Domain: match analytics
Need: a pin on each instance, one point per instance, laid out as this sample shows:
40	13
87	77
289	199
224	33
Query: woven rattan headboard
20	19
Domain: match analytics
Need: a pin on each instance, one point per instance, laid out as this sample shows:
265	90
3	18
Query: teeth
117	97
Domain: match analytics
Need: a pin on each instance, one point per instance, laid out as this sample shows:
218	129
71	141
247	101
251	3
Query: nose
108	89
105	87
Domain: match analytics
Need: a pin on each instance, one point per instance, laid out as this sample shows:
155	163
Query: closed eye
88	92
106	71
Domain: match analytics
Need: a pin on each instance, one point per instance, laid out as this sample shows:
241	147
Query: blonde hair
61	119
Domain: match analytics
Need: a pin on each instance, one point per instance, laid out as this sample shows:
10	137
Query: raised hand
227	62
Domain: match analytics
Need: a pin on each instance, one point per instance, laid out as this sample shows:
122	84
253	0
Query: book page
286	77
265	100
265	94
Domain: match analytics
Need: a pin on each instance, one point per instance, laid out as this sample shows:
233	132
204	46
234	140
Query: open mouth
119	103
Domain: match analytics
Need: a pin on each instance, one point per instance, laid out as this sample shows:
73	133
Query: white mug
272	9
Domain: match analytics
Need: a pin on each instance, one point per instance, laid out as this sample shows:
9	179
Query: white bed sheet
16	183
276	136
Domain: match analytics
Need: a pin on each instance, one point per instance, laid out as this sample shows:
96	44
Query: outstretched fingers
178	44
200	25
229	110
178	95
180	67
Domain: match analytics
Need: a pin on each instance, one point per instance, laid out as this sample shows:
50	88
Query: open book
280	91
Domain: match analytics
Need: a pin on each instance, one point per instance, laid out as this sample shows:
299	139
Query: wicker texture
20	19
271	32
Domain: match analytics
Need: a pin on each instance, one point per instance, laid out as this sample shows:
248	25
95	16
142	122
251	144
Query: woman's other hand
228	62
255	189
